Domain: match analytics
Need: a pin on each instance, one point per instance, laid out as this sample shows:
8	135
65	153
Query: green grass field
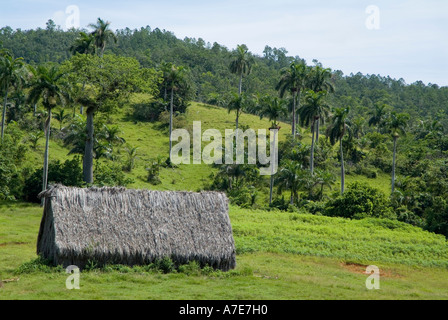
281	256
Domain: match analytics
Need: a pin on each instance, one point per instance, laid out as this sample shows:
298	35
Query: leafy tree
109	82
12	74
336	132
48	84
360	201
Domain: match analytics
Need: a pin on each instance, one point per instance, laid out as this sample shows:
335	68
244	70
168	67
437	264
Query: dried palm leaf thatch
135	227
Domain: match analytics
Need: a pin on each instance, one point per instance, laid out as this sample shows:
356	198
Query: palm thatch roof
135	227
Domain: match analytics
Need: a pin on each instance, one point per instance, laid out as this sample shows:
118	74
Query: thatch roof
135	227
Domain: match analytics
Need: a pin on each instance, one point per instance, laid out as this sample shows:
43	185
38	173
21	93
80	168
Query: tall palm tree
396	126
273	109
84	44
336	132
49	86
12	74
102	34
241	64
294	80
315	110
174	78
319	79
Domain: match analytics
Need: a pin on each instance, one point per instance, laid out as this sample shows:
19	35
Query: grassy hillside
152	141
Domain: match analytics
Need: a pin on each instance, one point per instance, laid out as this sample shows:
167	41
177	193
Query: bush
68	173
280	204
110	174
360	201
148	111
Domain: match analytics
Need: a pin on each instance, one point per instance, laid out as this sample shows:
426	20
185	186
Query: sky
400	39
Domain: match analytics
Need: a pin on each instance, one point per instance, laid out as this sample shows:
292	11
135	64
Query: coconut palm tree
12	74
48	85
102	34
336	132
241	64
294	80
396	126
273	109
315	110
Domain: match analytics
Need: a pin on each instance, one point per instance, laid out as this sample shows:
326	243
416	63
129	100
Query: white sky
411	42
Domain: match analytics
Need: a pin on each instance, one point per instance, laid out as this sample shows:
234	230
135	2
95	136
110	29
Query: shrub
153	169
110	174
149	111
360	201
68	173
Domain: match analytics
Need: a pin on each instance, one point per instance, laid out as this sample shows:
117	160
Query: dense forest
341	124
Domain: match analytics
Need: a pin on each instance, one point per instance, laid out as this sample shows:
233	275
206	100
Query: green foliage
360	201
38	265
68	173
153	169
149	111
108	173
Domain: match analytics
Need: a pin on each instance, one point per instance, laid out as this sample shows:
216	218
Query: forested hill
210	75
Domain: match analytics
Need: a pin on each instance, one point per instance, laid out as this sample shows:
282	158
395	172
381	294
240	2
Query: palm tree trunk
46	154
240	87
342	167
312	147
393	164
297	107
317	131
88	153
272	169
293	115
4	111
171	118
292	197
34	109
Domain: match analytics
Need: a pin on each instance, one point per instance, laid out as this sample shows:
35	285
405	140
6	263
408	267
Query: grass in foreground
272	263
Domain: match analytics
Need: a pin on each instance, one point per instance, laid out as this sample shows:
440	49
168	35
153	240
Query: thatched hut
135	227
